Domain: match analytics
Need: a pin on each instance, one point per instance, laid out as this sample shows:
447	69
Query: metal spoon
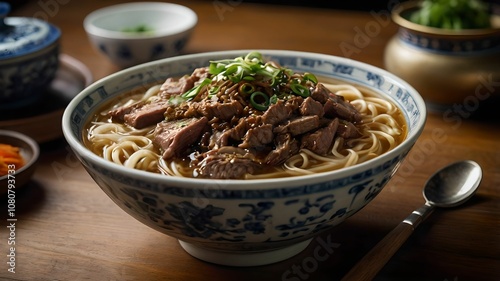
449	187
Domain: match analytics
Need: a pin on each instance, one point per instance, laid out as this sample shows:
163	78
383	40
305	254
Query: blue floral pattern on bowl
203	213
451	44
126	53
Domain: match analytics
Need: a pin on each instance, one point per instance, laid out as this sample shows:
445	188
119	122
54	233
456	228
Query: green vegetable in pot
138	29
453	14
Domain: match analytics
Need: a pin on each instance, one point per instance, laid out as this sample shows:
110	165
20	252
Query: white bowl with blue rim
133	33
29	59
244	222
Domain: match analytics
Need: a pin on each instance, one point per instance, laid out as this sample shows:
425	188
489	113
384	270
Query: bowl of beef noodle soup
244	156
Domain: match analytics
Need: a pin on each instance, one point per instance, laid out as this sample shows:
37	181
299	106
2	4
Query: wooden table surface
68	229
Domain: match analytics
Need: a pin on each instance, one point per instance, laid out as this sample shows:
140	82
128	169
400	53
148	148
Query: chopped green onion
216	68
248	78
279	78
254	56
213	90
193	92
300	90
251	67
244	68
233	68
246	89
262	106
273	99
310	77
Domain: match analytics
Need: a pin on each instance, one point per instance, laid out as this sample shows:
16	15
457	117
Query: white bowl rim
243	184
89	26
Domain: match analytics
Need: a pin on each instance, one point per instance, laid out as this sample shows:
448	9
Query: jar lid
21	36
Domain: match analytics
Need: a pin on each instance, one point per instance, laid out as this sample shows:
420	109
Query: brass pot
446	66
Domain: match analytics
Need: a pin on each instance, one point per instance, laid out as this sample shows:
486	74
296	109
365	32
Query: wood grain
68	229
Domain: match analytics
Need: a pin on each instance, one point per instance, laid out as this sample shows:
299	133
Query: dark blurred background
332	4
352	4
362	5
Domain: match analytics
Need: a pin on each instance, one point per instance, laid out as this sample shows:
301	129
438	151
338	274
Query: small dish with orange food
18	156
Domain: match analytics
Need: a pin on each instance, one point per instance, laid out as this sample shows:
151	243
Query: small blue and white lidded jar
29	59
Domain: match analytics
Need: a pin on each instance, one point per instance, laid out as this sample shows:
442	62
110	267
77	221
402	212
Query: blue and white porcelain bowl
29	59
244	222
133	33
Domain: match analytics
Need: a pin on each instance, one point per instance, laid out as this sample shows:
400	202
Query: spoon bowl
448	187
453	185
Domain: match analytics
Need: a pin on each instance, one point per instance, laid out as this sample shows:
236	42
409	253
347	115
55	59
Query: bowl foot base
244	258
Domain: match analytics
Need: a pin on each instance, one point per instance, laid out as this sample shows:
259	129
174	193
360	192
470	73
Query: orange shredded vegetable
9	155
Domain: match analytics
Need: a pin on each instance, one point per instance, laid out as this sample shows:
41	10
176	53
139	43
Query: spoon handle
378	256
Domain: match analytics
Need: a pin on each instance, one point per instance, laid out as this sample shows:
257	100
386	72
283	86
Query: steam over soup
245	118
